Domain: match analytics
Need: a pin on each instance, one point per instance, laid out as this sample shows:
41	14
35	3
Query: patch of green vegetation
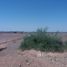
41	40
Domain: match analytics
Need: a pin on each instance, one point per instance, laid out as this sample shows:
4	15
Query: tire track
12	40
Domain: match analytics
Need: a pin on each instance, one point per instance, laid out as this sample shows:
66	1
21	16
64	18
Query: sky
29	15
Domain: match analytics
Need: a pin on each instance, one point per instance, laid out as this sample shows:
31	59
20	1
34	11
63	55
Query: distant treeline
11	32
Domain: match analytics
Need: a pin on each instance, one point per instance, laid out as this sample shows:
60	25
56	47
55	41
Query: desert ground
12	57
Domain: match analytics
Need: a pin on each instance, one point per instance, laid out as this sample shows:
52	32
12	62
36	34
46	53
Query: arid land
11	56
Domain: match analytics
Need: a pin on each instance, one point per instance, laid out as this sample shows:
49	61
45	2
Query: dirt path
8	57
12	43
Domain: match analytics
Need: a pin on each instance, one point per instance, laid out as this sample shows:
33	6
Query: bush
41	40
65	46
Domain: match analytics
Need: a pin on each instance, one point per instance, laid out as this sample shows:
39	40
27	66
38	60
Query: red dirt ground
12	57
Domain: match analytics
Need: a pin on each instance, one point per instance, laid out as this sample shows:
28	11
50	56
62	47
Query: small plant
41	40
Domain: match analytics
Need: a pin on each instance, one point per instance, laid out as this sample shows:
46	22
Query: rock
3	46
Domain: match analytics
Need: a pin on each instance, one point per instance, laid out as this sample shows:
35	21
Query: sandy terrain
12	57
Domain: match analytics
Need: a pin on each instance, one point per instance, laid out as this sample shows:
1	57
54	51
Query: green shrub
41	40
65	46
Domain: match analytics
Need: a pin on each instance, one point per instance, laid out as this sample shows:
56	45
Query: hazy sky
28	15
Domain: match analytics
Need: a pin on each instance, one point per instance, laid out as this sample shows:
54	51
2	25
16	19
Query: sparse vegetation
41	40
